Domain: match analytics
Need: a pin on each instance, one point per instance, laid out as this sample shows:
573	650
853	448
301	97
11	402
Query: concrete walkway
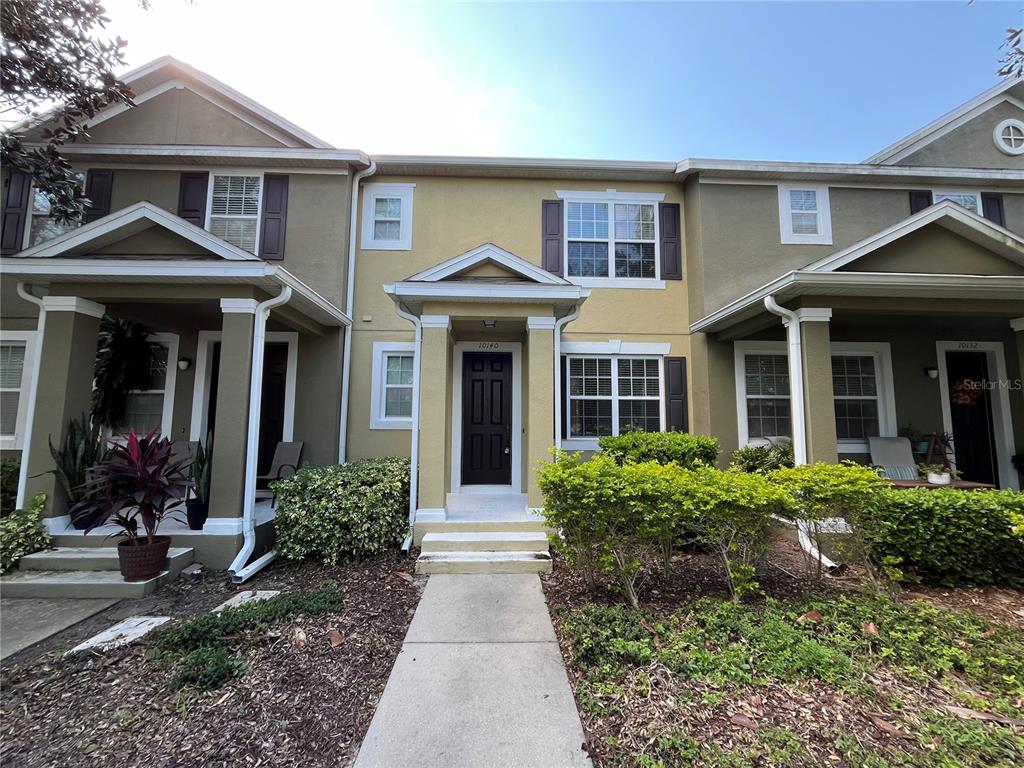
27	621
479	683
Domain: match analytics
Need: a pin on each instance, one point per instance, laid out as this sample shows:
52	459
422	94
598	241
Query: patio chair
284	464
894	456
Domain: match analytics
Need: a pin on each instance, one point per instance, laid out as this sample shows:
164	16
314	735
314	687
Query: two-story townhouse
473	312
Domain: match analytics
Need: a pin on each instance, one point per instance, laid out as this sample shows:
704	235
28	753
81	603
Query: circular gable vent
1009	136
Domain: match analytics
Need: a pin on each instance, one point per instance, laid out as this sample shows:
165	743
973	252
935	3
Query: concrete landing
24	622
479	683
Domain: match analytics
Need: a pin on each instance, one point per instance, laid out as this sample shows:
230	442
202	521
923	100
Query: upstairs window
611	239
235	209
1009	136
387	217
969	200
41	227
804	216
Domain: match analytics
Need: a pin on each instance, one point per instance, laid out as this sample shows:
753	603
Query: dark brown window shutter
671	242
98	186
677	412
275	216
17	193
992	208
551	236
919	200
192	197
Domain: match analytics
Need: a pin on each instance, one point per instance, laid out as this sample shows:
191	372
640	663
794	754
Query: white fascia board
531	292
125	217
254	154
946	210
789	171
528	163
142	269
944	123
284	277
482	254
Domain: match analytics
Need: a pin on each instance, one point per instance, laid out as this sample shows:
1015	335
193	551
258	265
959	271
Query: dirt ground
303	704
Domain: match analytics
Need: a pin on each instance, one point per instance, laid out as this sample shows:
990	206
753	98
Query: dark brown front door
970	410
487	418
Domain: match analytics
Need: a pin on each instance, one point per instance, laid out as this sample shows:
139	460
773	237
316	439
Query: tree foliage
53	56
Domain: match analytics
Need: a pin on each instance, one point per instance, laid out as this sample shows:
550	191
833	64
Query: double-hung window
387	217
969	200
15	362
611	235
394	371
234	207
613	395
41	227
804	216
766	379
146	409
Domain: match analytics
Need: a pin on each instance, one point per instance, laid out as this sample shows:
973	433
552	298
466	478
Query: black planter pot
196	511
143	560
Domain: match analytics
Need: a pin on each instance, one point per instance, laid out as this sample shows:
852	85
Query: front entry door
970	410
487	418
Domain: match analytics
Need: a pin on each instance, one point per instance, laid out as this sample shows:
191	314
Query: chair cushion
900	473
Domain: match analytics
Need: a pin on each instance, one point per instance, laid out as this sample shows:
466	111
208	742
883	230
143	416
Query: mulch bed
655	702
299	704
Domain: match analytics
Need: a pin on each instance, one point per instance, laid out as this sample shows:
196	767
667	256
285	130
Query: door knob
506	449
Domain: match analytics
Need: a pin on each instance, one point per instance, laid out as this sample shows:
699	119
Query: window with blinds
144	408
766	378
12	368
613	395
611	239
804	217
235	209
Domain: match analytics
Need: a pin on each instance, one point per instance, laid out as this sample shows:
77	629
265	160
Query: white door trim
201	387
516	348
1001	422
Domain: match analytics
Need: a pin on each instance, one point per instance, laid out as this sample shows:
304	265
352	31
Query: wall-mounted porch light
184	363
931	373
490	323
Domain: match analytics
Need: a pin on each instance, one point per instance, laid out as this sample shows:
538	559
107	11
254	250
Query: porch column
435	395
231	422
540	409
1018	331
67	361
819	404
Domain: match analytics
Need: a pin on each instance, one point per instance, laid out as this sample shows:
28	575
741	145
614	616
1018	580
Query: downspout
796	393
414	450
559	325
238	569
350	293
37	358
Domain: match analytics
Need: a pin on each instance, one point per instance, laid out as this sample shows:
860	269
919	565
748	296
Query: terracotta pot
196	511
143	561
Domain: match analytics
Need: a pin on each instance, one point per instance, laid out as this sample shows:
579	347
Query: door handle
506	449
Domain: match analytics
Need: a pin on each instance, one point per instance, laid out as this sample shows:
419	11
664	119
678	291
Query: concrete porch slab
27	621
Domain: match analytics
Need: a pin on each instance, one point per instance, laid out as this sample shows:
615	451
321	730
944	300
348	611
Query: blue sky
774	81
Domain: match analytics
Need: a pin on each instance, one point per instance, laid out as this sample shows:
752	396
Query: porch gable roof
488	253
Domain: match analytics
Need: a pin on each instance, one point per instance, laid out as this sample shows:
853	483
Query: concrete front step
50	584
478	526
484	562
478	541
93	559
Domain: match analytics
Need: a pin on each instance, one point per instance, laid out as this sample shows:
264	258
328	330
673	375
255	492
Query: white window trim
26	236
612	196
381	350
882	354
997	137
259	208
199	429
788	237
976	192
16	441
571	443
881	351
370	194
169	340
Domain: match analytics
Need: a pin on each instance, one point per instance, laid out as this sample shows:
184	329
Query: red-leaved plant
140	479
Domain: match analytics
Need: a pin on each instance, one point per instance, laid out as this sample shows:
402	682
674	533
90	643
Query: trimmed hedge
763	458
684	449
349	510
946	536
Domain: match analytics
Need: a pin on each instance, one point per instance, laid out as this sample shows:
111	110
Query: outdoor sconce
489	323
184	363
931	373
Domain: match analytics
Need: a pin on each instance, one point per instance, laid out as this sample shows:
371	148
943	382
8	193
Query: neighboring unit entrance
487	418
970	410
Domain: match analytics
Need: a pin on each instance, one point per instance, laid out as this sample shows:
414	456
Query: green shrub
684	449
763	458
946	536
207	668
22	533
349	510
9	469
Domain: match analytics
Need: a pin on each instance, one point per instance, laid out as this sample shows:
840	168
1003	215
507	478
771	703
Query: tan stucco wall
180	116
936	250
971	145
318	396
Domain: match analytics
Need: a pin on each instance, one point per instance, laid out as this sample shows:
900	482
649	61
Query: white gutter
350	294
559	325
37	358
796	396
238	570
414	450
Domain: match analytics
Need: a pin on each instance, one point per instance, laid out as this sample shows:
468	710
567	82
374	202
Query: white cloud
358	76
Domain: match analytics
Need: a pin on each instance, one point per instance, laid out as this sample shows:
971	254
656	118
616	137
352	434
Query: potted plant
937	474
197	509
139	481
918	440
82	448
